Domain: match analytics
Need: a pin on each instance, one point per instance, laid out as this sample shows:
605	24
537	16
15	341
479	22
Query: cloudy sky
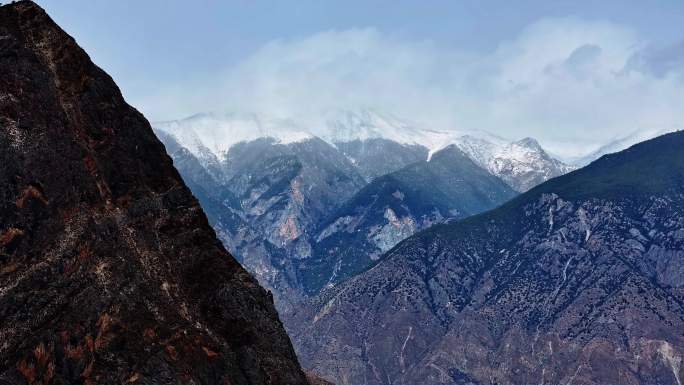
573	74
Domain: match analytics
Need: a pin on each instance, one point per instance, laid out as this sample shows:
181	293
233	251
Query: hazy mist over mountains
221	131
574	76
544	83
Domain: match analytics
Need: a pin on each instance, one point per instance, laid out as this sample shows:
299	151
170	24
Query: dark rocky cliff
109	270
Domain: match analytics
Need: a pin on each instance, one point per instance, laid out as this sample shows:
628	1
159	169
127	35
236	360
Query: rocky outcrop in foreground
109	270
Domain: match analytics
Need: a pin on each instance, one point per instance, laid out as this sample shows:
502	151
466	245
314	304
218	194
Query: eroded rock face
577	281
109	270
301	212
376	157
395	206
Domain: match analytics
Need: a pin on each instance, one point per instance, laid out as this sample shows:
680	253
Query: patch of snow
403	347
365	124
670	358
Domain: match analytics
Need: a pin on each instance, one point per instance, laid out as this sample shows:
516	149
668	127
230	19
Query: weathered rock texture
578	281
395	206
109	270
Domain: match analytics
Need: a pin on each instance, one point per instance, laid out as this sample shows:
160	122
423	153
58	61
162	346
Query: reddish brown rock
109	271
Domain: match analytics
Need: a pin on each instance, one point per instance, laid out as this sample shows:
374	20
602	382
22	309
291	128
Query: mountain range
403	280
393	207
579	280
376	143
302	211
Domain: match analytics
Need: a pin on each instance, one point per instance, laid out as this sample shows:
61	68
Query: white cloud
572	84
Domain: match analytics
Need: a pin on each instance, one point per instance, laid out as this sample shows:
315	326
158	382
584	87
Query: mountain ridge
396	205
556	285
522	164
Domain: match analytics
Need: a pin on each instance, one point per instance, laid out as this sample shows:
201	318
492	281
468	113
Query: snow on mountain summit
522	164
218	134
364	124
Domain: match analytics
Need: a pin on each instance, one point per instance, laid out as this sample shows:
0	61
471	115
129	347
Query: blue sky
556	70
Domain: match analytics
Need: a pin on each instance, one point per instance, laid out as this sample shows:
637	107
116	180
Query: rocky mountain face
300	215
266	199
578	281
377	157
284	191
275	192
395	206
109	270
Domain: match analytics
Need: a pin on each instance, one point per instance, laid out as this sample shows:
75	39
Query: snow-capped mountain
364	124
522	164
273	187
376	143
218	133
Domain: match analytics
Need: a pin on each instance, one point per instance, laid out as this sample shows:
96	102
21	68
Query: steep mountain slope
219	204
377	157
307	177
268	200
580	280
395	206
109	270
285	191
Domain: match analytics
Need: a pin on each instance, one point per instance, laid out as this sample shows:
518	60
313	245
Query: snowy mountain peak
217	134
530	143
522	164
364	124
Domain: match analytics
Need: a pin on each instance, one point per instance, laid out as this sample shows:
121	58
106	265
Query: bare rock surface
109	270
578	281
